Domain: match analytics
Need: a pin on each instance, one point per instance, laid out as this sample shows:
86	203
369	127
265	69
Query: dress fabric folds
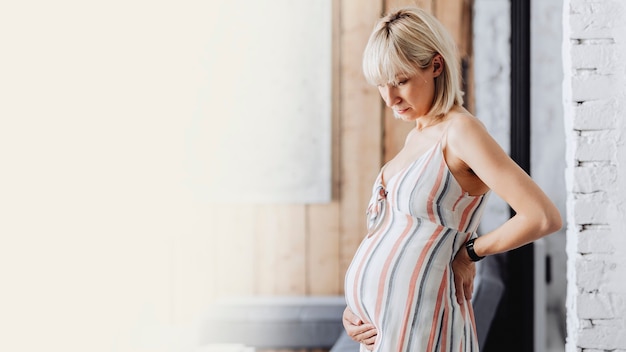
400	278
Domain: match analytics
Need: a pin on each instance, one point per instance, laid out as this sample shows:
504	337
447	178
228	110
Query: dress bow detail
376	210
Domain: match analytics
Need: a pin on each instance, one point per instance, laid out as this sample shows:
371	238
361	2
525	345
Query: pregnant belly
397	268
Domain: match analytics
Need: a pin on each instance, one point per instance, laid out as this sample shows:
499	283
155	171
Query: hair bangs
384	62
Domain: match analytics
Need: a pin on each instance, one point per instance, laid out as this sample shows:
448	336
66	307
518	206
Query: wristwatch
469	246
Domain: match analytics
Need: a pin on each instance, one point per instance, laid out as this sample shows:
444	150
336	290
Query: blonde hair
407	40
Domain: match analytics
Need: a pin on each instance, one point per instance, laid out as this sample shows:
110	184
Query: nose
389	94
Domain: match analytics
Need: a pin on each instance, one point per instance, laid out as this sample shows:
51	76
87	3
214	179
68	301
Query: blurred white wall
548	143
266	103
103	236
492	62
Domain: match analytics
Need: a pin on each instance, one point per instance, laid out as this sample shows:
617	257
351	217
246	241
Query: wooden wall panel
280	262
453	14
423	4
360	126
468	53
323	276
456	15
290	242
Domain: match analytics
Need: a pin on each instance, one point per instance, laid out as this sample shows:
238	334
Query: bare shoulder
470	146
464	128
461	120
466	144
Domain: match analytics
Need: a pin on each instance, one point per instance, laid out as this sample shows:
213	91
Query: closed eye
402	82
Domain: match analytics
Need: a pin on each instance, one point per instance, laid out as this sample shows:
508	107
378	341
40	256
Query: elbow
551	221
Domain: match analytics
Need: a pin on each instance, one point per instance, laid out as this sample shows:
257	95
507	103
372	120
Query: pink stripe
414	277
466	212
457	202
434	325
382	284
430	157
433	193
463	309
357	278
465	321
473	321
385	272
364	260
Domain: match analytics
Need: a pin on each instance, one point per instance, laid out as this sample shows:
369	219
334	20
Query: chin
399	117
407	118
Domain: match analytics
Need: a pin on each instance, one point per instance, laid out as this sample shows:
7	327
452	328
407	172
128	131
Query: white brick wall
594	89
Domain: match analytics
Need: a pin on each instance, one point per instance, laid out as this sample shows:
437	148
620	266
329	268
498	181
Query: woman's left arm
535	214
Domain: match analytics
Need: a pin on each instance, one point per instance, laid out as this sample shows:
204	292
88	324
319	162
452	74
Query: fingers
365	333
370	342
361	332
355	330
467	290
460	295
368	334
366	337
369	347
464	272
460	289
351	317
464	289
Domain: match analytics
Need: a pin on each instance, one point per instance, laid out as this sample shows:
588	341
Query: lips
401	111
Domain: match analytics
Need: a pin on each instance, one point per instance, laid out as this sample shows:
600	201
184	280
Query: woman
409	284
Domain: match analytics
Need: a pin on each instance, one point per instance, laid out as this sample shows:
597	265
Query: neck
425	122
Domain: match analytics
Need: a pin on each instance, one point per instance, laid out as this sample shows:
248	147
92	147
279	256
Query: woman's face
411	97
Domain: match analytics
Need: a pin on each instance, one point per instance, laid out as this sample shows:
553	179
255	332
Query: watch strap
469	246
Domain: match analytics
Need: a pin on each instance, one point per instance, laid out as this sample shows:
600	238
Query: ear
437	65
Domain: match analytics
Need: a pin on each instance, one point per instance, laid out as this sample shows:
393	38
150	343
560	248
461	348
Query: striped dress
400	278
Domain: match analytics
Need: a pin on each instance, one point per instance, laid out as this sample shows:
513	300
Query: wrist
471	253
